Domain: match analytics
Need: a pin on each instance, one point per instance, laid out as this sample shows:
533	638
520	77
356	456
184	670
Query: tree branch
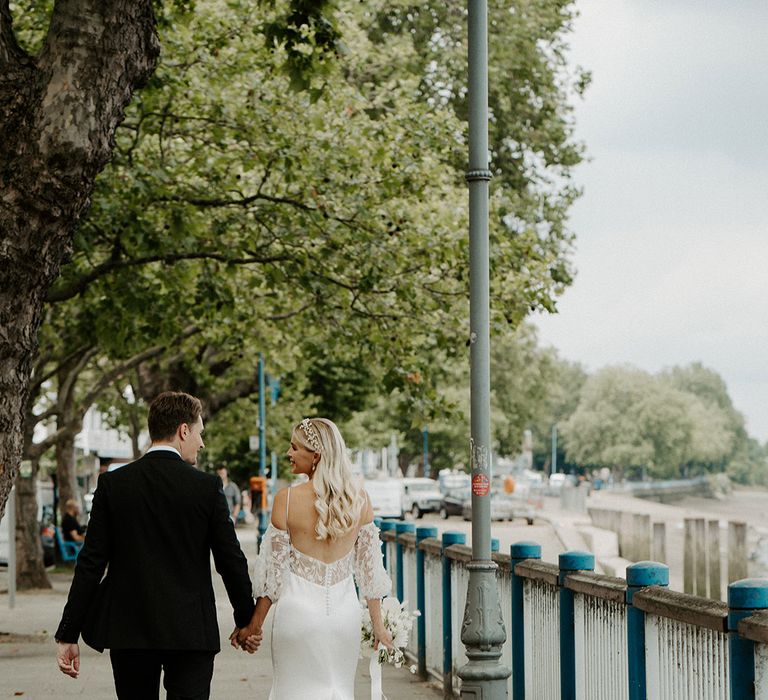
75	425
241	389
62	293
116	372
39	381
66	387
289	314
242	202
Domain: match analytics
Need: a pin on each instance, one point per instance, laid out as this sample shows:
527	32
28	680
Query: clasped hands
246	638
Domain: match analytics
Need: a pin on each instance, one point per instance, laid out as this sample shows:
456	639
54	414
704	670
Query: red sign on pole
481	485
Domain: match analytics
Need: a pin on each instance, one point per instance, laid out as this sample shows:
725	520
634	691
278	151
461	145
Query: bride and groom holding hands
154	525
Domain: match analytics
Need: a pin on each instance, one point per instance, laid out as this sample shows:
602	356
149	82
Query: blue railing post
422	533
400	528
569	562
386	525
520	551
745	597
639	576
448	539
494	544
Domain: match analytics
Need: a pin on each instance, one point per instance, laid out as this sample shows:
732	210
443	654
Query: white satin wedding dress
316	618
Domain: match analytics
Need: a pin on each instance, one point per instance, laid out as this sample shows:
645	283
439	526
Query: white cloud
671	231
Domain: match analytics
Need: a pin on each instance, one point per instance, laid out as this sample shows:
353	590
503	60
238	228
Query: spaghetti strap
287	506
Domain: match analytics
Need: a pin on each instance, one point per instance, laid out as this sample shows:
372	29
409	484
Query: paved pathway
28	667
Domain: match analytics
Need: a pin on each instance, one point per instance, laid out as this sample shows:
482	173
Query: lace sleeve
372	579
271	563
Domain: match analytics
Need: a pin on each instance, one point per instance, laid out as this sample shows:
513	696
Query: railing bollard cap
647	573
426	531
748	594
387	525
576	561
450	538
377	522
494	544
402	526
525	550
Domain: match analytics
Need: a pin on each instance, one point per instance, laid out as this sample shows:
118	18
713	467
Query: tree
61	101
625	419
58	113
680	421
530	131
523	375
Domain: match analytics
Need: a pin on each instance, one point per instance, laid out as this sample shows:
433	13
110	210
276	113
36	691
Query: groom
154	524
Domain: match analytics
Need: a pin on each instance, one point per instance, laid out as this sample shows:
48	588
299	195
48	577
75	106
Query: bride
321	541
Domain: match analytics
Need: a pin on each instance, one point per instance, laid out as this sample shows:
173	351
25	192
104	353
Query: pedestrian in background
231	493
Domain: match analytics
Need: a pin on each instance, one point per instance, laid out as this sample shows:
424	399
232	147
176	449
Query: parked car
503	508
557	481
421	496
47	538
453	502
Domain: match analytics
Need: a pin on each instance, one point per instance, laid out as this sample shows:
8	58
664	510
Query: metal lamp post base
483	633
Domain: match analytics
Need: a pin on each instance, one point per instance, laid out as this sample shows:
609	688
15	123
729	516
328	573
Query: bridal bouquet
398	621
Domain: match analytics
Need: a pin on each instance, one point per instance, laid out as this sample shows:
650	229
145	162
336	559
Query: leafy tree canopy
324	227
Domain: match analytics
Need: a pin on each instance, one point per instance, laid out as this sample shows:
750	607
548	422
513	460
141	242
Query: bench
69	550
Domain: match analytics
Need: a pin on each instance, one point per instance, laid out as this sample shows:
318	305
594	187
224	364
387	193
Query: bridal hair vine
312	437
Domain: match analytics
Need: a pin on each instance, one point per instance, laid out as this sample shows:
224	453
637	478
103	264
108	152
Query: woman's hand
381	636
252	642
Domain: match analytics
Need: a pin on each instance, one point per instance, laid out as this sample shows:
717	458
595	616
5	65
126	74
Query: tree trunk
66	471
58	115
135	431
30	572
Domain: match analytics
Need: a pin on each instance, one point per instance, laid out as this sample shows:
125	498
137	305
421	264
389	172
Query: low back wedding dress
317	613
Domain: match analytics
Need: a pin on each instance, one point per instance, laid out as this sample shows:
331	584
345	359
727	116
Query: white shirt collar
157	448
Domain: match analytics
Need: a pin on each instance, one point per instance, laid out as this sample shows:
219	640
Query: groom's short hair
169	410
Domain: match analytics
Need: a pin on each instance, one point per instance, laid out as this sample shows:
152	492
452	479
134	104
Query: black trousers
186	674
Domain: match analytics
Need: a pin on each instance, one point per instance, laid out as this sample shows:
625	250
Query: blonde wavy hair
339	500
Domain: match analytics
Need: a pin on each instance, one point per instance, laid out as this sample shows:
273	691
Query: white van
386	497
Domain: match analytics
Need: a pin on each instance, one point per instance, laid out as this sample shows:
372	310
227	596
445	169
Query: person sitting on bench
72	530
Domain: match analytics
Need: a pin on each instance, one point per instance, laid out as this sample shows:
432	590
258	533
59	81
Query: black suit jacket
153	526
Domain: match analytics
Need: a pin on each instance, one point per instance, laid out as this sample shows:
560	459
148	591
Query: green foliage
324	227
31	18
530	131
749	465
679	422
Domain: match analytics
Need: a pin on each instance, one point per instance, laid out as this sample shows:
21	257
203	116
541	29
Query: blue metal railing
685	632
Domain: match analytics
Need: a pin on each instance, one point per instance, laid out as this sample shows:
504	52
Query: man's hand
248	638
233	638
68	658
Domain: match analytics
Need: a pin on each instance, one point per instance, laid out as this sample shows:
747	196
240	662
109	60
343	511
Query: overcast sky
671	229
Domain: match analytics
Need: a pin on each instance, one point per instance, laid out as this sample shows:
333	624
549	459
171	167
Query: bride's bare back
302	519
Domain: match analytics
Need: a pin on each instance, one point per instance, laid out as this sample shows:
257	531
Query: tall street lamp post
262	443
482	632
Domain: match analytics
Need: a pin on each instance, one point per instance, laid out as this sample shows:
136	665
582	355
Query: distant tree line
678	423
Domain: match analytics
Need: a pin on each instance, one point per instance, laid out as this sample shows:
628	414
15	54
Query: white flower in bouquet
398	621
